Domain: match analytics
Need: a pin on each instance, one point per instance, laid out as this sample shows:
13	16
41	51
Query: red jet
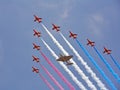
37	19
72	35
55	27
107	51
35	59
36	33
35	70
90	43
36	46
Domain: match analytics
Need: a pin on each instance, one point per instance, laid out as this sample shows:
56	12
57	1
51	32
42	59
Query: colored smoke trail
107	65
80	72
51	77
88	69
58	72
97	66
74	78
116	63
46	82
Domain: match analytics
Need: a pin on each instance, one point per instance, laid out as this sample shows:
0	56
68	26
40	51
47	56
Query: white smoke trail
81	86
88	69
80	72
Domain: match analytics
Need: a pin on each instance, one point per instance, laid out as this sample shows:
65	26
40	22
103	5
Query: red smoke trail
47	83
58	72
50	75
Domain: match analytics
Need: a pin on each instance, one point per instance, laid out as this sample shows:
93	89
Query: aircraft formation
68	61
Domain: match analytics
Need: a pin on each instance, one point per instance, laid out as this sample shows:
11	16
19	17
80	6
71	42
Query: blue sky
93	19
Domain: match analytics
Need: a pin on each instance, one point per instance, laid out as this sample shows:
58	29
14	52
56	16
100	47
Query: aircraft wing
69	63
59	59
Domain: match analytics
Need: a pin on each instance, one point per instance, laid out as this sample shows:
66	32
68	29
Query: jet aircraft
35	70
90	43
55	27
36	33
107	51
37	19
65	59
36	46
74	36
35	59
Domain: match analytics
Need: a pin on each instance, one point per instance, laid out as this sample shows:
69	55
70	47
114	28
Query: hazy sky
93	19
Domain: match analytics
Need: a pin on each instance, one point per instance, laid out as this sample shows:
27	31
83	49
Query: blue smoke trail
107	65
96	65
115	61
